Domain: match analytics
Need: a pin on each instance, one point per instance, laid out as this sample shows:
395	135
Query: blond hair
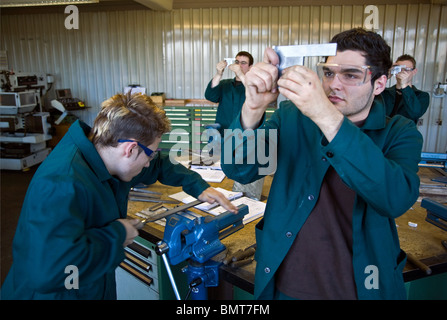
129	116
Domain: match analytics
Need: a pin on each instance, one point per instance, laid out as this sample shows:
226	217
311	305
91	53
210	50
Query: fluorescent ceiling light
26	3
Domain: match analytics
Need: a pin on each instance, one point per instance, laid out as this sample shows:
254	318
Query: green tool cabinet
180	136
188	126
143	276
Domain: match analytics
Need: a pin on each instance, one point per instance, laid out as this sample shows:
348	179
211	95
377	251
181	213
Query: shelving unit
24	131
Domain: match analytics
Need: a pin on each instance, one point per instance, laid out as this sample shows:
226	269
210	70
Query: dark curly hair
373	47
248	55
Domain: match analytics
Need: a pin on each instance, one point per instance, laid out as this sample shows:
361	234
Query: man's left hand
211	195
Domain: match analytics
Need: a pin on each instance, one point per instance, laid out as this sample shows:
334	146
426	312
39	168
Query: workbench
418	237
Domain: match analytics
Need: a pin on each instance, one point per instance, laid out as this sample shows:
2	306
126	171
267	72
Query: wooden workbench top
418	237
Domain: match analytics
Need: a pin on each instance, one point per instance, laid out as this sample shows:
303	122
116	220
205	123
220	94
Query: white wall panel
176	52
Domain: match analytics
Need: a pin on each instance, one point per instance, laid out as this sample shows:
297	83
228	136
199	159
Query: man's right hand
220	67
404	78
131	226
260	89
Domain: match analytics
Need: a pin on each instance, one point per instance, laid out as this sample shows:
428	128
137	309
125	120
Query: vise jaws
198	241
436	213
433	160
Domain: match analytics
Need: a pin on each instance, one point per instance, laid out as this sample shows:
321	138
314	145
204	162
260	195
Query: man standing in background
404	98
230	94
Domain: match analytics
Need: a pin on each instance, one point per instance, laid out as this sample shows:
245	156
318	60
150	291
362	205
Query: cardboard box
175	102
158	97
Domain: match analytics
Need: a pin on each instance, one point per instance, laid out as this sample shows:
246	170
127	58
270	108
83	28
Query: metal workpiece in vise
197	241
294	55
436	215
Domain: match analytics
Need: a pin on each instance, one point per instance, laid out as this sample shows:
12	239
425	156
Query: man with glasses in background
74	213
404	98
230	94
345	171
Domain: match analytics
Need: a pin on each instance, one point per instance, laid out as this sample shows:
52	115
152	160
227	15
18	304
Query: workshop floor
13	188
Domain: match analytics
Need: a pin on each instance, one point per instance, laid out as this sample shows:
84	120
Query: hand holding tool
294	55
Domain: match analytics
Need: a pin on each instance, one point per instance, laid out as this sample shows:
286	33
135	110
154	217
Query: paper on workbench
210	175
255	208
186	198
215	166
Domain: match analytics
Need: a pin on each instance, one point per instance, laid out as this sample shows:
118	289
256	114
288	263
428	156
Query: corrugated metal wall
176	52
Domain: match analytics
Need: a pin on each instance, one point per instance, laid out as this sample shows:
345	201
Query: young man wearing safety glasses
229	93
74	213
404	98
345	171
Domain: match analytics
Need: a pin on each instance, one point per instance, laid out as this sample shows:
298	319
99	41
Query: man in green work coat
229	93
404	98
73	228
344	172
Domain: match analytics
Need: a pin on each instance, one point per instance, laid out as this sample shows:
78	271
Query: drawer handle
140	250
136	273
142	264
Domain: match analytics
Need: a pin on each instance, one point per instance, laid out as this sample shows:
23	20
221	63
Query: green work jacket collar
79	132
376	119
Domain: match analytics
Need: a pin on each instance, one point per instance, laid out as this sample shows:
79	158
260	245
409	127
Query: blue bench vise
198	241
433	160
436	213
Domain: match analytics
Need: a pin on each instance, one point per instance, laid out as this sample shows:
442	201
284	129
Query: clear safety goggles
349	75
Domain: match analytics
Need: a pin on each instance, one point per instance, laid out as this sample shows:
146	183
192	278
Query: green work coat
413	105
68	226
230	99
379	161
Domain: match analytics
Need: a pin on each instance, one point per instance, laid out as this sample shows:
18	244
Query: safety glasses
150	153
349	75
